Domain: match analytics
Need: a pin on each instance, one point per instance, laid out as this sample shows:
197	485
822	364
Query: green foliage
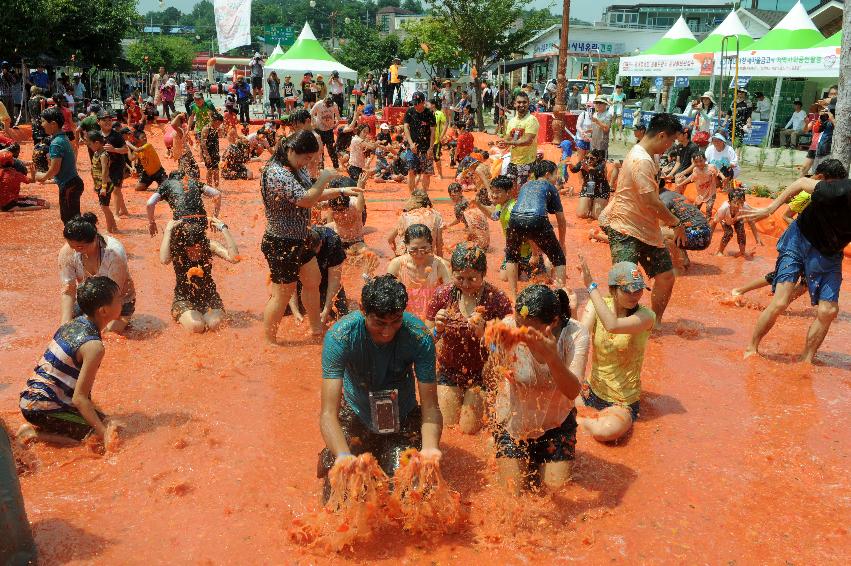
441	50
762	156
761	191
610	71
173	53
367	51
90	30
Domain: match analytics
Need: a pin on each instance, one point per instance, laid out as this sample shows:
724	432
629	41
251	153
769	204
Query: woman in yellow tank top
619	327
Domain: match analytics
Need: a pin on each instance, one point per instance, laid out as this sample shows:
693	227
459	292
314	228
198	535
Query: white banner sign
233	23
794	63
689	65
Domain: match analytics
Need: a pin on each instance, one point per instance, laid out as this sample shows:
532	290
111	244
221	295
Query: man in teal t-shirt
63	165
371	361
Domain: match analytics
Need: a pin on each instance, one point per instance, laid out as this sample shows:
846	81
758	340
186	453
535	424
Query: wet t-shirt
420	125
685	154
149	159
60	148
537	199
462	355
116	160
330	254
826	222
348	353
517	128
689	214
628	214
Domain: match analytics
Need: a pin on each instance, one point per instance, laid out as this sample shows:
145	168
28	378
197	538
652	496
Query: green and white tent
834	40
731	25
276	54
795	31
307	54
679	39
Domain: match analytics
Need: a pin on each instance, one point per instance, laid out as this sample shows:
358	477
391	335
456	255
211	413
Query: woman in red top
812	125
457	313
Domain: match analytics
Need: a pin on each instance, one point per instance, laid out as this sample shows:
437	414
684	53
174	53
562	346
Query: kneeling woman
457	312
86	254
419	269
536	419
197	304
619	329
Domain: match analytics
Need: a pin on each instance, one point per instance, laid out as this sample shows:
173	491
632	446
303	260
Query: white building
589	46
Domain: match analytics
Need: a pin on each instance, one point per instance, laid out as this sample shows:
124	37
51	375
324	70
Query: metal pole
772	117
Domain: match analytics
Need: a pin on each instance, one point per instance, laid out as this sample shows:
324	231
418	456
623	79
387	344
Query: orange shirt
627	212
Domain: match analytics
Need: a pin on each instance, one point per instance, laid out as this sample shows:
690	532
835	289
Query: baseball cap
103	114
385	126
417	97
625	275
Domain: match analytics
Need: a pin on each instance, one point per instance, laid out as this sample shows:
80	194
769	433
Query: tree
173	53
487	31
841	148
414	6
433	45
90	30
366	51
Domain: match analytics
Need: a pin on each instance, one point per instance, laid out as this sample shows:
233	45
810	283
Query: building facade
701	19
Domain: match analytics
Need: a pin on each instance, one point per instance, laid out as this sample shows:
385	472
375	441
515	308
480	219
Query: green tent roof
307	47
679	39
834	40
731	25
276	54
795	31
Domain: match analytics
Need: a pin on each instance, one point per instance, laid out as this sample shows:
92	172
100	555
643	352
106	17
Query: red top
10	184
465	145
462	356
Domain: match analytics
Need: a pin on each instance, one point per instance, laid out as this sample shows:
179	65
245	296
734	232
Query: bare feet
736	293
749	351
26	435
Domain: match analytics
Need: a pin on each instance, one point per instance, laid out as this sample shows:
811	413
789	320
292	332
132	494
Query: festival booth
306	54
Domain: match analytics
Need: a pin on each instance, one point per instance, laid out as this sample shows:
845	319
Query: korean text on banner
233	23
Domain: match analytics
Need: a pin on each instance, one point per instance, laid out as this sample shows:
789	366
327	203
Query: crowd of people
434	341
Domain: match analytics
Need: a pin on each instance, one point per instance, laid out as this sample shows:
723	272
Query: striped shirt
51	386
280	188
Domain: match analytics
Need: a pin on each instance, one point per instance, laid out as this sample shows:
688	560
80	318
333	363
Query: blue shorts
591	400
796	255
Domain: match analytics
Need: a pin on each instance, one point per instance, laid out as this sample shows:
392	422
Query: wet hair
81	228
384	295
502	182
598	154
361	127
832	169
438	105
640	128
96	137
216	117
454	188
664	123
96	292
543	167
420	199
300	142
53	114
417	231
736	194
341	202
545	304
467	256
300	117
522	94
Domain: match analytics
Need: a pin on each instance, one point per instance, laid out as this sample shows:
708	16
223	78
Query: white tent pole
773	114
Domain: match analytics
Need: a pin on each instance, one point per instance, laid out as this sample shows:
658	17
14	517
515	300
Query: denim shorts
591	400
796	255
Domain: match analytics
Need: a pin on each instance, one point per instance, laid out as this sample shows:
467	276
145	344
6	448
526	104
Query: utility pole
561	78
841	148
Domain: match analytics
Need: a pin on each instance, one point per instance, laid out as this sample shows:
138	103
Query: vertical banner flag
233	23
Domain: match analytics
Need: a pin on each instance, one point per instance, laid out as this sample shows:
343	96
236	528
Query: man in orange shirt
636	211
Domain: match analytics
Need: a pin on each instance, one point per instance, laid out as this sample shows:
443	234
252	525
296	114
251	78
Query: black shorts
464	381
212	162
285	257
811	154
387	448
535	229
355	173
105	194
159	177
556	445
64	423
256	82
235	171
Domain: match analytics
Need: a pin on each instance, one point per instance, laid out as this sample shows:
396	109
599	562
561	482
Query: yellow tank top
616	365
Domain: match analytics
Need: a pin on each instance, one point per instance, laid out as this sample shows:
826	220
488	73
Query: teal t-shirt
61	148
348	353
